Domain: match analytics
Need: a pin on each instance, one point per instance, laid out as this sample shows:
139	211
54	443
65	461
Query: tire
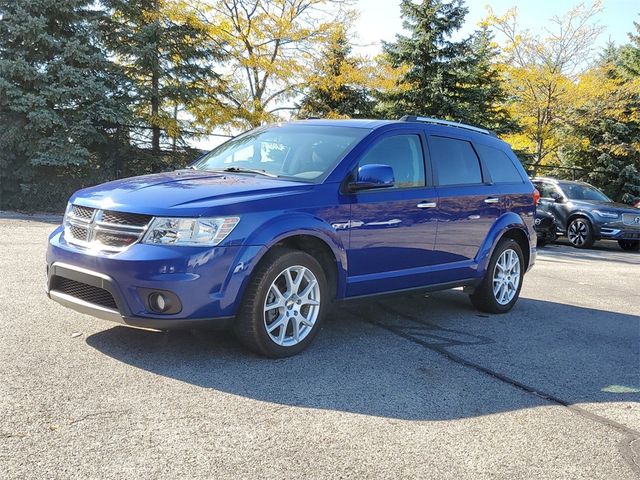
580	233
629	245
488	299
272	332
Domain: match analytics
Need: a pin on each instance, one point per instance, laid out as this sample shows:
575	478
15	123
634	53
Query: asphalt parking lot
413	386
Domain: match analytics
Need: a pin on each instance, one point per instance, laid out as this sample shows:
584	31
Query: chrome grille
632	219
121	218
104	230
83	291
79	233
83	212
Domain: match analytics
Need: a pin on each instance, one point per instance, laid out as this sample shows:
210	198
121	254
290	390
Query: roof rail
437	121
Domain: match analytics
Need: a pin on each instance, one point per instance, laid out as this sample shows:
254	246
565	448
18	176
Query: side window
547	190
403	153
501	168
455	160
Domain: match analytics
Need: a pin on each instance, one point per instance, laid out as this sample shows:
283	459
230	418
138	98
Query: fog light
158	302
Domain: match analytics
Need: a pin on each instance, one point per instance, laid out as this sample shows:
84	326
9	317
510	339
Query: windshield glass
576	191
298	152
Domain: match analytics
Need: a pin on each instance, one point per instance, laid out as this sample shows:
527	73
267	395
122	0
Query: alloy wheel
506	277
578	232
292	306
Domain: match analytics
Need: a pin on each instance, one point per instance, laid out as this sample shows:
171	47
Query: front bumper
208	281
619	232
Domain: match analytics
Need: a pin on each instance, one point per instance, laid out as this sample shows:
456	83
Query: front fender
506	222
274	231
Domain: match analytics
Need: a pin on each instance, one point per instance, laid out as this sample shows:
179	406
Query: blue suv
271	227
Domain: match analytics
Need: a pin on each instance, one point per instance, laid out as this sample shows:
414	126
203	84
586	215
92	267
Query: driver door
393	230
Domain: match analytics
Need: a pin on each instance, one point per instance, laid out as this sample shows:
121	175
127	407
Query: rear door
393	230
468	204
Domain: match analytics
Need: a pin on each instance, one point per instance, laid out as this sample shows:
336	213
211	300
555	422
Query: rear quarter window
500	166
455	160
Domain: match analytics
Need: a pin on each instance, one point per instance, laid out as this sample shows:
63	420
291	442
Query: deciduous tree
271	46
540	71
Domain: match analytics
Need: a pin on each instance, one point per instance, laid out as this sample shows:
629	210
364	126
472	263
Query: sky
380	19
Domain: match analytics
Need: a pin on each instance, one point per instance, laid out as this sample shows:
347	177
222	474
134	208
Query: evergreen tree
338	86
59	93
629	60
603	134
437	65
164	49
484	97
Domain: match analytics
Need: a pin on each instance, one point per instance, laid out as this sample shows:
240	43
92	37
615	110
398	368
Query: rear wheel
629	245
580	233
500	288
284	304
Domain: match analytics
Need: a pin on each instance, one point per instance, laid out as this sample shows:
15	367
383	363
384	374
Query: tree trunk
155	109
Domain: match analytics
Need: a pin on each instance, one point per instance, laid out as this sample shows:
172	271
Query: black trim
122	315
428	288
178	323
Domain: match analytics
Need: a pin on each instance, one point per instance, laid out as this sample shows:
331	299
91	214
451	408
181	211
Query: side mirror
557	198
373	176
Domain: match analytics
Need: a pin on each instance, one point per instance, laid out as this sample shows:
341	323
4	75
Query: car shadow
382	358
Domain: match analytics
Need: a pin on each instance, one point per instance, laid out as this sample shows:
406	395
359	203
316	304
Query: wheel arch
302	232
509	225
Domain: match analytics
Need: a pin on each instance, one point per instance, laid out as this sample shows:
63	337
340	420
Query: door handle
427	205
492	200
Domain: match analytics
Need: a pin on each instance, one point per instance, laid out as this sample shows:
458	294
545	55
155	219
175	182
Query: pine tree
437	65
483	94
59	92
338	86
164	49
456	80
630	54
603	134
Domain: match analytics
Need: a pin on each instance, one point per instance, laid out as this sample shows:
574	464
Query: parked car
546	228
584	214
269	228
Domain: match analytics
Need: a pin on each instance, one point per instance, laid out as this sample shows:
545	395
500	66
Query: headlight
190	231
602	214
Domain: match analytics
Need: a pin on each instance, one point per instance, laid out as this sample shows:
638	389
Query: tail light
536	196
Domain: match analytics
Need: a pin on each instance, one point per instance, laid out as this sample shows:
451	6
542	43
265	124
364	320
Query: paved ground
411	386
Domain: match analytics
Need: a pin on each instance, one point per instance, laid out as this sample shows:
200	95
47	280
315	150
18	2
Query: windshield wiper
249	170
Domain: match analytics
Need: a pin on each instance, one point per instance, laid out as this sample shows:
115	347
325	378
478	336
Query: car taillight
536	196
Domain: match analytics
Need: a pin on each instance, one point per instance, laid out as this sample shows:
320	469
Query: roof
439	125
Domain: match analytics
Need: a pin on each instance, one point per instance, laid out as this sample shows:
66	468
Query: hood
605	205
182	191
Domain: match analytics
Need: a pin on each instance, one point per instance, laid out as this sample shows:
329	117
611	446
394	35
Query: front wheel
629	245
580	233
500	288
284	304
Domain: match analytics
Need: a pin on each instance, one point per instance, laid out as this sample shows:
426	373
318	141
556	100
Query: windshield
302	152
576	191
